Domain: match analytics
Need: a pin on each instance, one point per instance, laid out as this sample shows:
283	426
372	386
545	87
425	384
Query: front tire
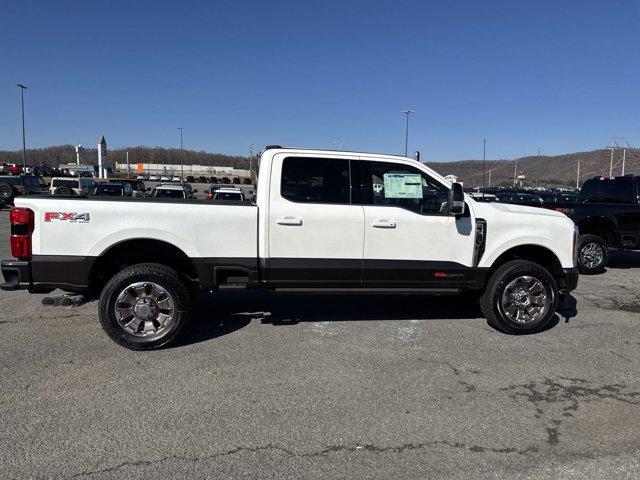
593	254
521	297
144	306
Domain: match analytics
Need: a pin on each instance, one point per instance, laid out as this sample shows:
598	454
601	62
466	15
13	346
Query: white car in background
176	179
71	186
165	178
153	178
171	190
229	194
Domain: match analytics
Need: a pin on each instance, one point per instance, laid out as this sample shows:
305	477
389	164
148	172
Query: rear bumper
17	275
43	274
568	280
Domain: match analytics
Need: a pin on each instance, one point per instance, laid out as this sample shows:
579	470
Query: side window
315	180
398	185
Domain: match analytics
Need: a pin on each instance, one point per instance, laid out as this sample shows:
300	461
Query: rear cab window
315	180
618	190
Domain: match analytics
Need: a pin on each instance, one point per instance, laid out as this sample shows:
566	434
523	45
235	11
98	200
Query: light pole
24	138
406	132
340	144
181	158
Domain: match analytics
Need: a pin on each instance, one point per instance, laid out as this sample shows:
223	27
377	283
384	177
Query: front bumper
569	280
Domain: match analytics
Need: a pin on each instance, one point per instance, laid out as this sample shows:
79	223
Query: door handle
383	223
293	221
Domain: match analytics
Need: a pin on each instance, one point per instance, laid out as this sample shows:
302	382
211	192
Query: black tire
7	192
150	273
492	305
593	254
64	191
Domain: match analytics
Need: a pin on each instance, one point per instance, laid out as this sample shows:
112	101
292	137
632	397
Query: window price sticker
402	185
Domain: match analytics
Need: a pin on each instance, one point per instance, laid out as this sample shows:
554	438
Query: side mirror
456	200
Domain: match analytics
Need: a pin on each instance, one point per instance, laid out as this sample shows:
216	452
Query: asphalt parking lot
327	387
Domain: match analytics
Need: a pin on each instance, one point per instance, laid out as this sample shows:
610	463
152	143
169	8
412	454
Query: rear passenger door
316	235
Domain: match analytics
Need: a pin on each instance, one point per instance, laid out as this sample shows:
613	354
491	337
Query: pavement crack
568	394
366	447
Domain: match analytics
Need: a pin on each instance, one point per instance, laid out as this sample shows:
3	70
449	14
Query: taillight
21	229
209	196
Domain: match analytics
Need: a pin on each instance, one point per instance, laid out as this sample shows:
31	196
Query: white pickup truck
323	221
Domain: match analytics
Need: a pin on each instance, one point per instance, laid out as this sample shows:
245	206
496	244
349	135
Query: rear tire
593	254
521	297
144	306
7	192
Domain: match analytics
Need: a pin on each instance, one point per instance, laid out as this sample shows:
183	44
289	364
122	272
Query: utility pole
611	162
406	131
128	166
539	150
250	160
624	157
515	174
578	176
181	157
484	162
24	137
489	178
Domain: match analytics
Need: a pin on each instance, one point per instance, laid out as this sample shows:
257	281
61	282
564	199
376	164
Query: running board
331	291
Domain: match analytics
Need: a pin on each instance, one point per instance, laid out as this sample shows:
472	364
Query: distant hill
558	170
53	156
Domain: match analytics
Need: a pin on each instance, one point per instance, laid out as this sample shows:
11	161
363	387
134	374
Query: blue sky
561	74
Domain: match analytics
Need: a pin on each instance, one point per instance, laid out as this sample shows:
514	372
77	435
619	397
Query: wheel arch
600	226
141	250
534	253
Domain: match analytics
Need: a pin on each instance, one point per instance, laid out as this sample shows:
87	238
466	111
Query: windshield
227	196
60	182
108	190
166	193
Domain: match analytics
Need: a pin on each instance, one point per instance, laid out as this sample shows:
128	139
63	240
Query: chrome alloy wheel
591	255
144	309
525	299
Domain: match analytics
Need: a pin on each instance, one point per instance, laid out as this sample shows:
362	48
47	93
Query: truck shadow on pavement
624	259
222	314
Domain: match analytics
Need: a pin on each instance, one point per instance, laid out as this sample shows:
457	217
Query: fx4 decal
67	216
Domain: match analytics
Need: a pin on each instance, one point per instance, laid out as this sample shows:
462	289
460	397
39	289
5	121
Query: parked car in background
10	169
111	189
229	194
556	197
176	179
71	186
138	188
607	213
153	178
483	197
214	180
12	186
236	180
165	178
247	181
516	198
202	179
191	179
171	190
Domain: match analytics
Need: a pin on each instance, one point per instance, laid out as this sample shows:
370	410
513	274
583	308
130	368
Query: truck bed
69	234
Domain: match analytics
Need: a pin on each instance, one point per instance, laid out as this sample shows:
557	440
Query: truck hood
521	209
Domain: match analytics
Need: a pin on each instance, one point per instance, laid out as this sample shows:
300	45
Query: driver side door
410	239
